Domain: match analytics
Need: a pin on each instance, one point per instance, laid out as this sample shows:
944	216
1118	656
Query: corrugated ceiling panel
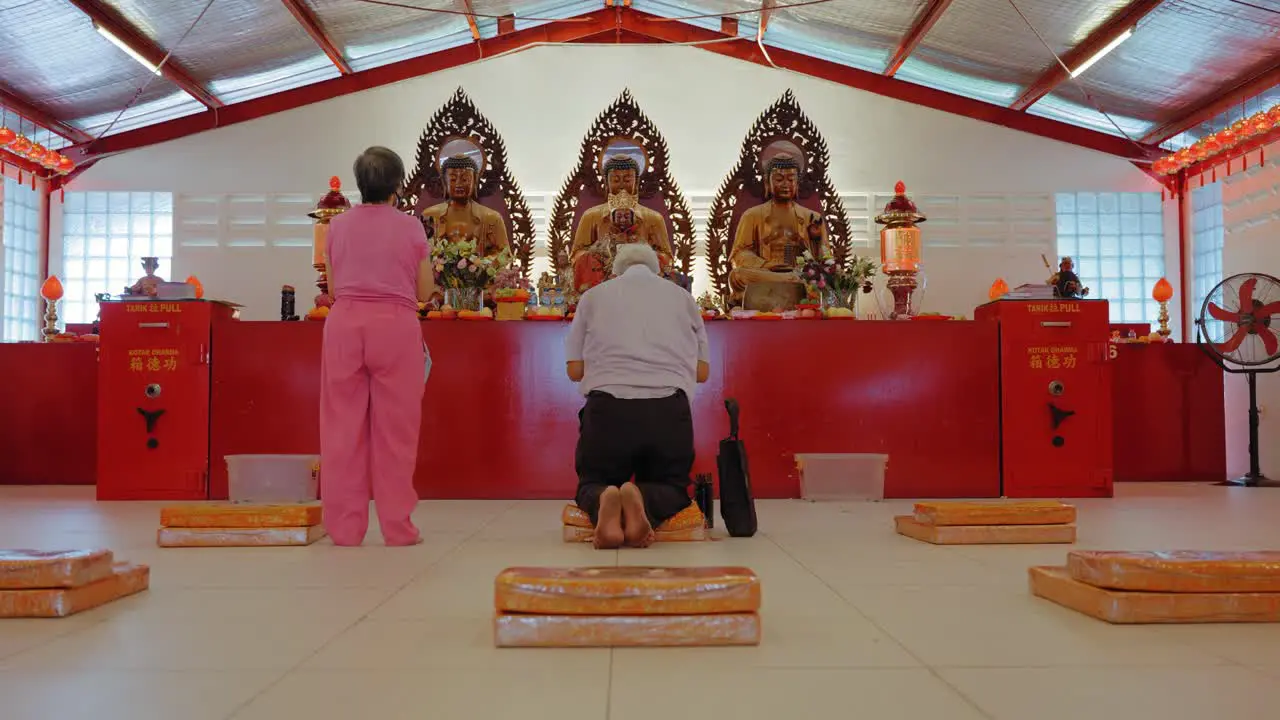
988	39
374	35
73	72
528	14
174	105
1183	55
747	21
860	33
239	49
1069	105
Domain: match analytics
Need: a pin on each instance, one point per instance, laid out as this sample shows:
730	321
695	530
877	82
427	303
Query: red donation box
1055	397
153	399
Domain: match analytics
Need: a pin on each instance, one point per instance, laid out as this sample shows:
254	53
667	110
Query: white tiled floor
859	622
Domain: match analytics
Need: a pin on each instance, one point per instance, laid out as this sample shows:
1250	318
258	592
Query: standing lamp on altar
51	291
900	250
1163	293
333	203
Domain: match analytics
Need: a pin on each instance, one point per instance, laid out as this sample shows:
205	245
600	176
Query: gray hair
637	253
379	174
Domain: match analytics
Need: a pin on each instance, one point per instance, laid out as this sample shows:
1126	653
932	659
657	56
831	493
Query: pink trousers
370	414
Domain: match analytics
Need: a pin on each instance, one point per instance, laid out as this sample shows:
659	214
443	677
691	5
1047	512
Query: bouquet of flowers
510	286
826	277
459	265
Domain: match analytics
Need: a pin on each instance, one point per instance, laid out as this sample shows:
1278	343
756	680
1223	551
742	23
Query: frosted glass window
1206	242
21	240
1117	242
104	238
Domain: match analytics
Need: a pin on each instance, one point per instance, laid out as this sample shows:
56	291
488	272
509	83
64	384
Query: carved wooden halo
783	121
457	120
621	120
463	145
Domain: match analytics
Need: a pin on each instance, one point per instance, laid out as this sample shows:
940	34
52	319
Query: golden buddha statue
462	217
772	237
621	219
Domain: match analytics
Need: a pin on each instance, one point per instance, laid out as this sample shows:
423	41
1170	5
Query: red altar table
48	428
500	417
1168	414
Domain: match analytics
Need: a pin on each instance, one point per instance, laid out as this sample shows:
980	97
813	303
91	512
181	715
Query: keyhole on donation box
1056	388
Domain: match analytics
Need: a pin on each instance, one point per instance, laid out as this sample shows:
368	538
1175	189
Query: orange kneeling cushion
1036	512
240	516
31	569
1178	571
1128	607
123	580
627	591
685	526
238	537
984	534
517	630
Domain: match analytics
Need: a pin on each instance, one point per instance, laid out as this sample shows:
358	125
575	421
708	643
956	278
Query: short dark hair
379	174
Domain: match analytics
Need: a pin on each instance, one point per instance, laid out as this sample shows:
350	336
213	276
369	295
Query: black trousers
650	440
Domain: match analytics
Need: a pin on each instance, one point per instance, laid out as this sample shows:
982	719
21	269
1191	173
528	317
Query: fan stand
1254	478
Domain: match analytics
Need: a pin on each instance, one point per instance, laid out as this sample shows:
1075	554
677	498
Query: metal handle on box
154	325
1056	323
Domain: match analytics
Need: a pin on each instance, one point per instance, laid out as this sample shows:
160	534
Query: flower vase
840	299
463	298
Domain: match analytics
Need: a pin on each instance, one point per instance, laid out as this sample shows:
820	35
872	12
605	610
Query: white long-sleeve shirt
639	336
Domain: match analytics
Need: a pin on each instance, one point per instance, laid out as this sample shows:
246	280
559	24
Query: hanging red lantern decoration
1184	157
1274	116
1227	139
1212	146
1260	123
1199	151
20	146
36	152
65	164
7	136
50	159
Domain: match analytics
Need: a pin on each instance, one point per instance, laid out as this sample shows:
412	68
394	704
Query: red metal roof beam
23	107
108	20
311	24
923	24
1107	33
766	12
471	19
1221	102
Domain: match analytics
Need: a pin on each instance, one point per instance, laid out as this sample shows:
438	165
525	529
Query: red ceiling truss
924	22
1125	19
110	20
307	19
616	21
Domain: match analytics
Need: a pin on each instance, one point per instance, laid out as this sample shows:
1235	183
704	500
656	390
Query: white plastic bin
272	478
837	476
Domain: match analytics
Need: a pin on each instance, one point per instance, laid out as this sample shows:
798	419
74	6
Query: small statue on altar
462	217
1065	282
149	284
621	219
772	236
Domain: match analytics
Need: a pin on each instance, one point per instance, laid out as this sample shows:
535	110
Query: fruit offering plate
931	317
545	318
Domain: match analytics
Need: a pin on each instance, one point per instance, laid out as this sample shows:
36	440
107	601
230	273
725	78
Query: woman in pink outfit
374	360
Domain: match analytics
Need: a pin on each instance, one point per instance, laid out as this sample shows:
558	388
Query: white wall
988	191
1251	243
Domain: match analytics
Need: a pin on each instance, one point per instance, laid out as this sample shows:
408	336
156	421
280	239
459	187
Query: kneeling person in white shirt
637	346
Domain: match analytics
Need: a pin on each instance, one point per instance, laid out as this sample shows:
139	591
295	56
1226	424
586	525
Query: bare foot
609	535
638	531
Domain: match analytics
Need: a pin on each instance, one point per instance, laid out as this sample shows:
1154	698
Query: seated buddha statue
620	219
149	284
773	236
462	217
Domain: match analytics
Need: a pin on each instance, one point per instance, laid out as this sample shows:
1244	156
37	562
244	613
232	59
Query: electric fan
1235	329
